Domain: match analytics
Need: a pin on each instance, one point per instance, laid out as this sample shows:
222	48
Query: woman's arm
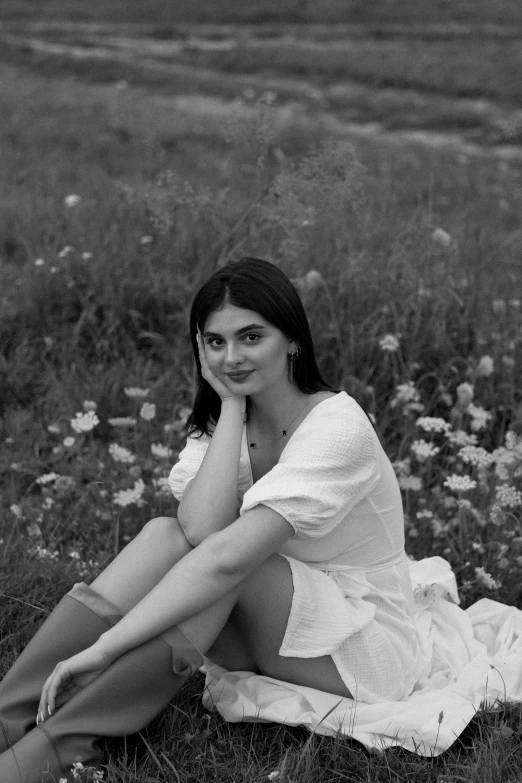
200	578
210	501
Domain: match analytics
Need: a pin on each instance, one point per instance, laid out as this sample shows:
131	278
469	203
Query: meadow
127	180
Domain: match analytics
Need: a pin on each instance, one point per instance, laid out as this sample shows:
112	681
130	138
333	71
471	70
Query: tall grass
407	262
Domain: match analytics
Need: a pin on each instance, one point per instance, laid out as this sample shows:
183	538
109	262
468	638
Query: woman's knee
165	532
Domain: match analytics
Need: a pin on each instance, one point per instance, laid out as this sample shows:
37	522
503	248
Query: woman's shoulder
341	409
337	421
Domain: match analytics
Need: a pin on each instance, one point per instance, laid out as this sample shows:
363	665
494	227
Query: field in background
384	176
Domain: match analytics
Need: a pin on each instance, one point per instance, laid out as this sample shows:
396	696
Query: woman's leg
258	611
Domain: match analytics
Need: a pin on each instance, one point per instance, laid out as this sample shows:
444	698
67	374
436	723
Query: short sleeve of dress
188	464
329	465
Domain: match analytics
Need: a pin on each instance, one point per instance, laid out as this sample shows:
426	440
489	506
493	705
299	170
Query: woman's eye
216	342
252	338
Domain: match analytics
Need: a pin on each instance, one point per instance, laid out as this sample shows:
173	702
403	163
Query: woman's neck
271	409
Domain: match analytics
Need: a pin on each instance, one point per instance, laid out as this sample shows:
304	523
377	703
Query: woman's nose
234	354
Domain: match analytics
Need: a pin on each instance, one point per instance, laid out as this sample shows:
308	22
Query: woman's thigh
260	618
143	562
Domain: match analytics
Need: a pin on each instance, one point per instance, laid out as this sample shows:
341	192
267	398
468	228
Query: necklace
283	432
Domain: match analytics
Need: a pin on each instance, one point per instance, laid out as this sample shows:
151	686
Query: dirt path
344	108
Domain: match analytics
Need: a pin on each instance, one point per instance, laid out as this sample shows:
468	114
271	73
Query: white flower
146	240
410	483
433	424
486	366
486	579
162	485
68	441
48	503
53	270
461	438
406	392
509	496
441	237
122	421
161	451
148	411
402	467
475	455
498	306
17	511
135	393
54	428
39	262
126	497
89	405
479	417
465	392
86	256
121	454
72	200
46	478
424	450
460	483
84	422
314	280
273	775
515	303
65	251
389	343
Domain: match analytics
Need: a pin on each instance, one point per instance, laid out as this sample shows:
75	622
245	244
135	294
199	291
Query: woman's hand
211	378
71	676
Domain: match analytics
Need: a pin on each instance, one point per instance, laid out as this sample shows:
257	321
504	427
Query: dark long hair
258	285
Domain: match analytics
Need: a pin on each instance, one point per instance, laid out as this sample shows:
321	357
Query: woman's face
245	351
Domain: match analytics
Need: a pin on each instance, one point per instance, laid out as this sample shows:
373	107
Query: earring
293	357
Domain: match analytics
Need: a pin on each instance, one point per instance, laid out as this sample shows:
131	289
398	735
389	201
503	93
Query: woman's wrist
108	648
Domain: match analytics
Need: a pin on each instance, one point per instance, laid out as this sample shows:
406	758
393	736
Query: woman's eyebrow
239	331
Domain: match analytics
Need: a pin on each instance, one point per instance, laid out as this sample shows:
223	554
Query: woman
287	557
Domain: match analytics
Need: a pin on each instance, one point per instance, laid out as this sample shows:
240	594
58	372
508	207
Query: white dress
352	590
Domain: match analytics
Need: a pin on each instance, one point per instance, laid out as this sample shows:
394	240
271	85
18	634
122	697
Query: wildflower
53	270
485	367
33	530
460	483
45	554
135	471
89	405
479	417
46	478
477	456
410	483
161	485
461	438
16	510
121	454
509	496
389	343
433	424
424	513
486	579
465	393
126	497
508	361
148	411
87	256
441	237
314	280
273	775
146	240
64	484
122	421
39	262
135	393
406	393
54	428
84	422
48	503
68	441
514	303
402	467
72	200
64	252
498	306
9	440
424	450
161	451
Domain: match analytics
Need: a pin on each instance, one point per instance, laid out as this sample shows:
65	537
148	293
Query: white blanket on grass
475	658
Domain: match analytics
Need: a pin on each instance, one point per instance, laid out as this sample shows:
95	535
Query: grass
161	203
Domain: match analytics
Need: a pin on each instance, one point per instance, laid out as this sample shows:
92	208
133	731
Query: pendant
253	445
283	433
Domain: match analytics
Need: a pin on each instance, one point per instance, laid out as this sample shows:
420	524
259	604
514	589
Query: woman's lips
239	377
